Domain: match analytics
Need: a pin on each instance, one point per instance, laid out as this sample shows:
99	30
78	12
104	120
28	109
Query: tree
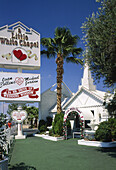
63	45
111	106
57	125
32	114
100	38
14	106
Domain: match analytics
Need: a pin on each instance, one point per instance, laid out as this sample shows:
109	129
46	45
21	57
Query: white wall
48	99
87	102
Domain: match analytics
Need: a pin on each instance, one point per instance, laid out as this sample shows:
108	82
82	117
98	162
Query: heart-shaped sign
19	55
19	116
19	80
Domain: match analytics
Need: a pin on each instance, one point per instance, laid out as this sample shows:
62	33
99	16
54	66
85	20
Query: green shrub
57	125
68	124
42	126
68	127
103	133
114	134
50	132
49	120
112	123
106	131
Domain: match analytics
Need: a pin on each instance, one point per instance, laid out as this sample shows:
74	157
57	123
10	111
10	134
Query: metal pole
20	133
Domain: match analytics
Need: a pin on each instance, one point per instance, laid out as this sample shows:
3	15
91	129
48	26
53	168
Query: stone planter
4	164
97	143
49	137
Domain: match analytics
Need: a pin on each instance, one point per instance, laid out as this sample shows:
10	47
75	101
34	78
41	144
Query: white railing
7	137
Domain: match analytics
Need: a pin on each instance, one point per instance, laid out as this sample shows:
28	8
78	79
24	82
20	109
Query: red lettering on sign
30	91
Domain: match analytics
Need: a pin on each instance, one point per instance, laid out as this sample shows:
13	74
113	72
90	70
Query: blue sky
44	16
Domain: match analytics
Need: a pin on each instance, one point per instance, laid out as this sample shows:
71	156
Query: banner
19	87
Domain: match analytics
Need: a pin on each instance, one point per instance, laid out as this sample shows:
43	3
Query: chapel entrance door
77	123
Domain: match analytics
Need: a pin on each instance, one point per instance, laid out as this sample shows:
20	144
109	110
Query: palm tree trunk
59	62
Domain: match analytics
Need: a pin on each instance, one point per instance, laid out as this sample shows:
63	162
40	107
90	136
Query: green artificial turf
36	153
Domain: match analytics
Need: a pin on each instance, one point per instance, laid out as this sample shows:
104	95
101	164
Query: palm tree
63	45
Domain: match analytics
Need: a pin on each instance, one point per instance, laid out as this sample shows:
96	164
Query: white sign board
19	47
19	87
19	116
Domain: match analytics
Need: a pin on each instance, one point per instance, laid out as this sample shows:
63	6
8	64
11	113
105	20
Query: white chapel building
87	99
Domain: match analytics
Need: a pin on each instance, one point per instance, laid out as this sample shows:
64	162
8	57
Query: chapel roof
88	87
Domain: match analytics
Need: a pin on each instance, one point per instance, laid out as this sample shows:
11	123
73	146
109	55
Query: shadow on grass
21	166
110	151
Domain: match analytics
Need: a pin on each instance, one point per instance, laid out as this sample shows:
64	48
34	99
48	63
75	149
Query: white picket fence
8	133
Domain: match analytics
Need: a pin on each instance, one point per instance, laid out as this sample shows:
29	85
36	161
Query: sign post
19	116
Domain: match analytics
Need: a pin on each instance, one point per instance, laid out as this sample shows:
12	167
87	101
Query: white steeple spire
87	80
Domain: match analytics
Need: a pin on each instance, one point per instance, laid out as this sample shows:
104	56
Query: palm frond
63	42
46	42
69	50
49	44
74	60
49	53
60	32
75	51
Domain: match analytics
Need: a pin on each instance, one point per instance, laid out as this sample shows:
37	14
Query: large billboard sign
19	87
19	47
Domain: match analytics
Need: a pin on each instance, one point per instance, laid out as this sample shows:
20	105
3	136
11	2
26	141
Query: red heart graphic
17	53
23	57
19	80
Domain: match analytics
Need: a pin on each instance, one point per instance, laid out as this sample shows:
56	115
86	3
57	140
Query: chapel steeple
87	80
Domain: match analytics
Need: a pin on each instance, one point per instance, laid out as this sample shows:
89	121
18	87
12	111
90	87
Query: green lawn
36	153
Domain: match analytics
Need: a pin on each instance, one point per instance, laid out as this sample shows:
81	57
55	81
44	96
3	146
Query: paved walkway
36	153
